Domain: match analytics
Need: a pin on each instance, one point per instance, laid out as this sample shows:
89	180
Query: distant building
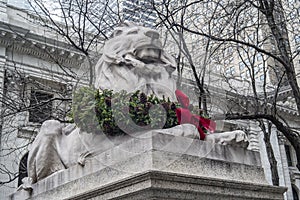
137	11
25	63
231	67
112	12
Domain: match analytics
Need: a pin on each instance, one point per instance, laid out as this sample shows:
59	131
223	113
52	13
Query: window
256	69
248	74
295	194
216	58
228	60
241	65
227	71
23	168
288	155
40	106
217	68
251	38
291	2
247	62
47	99
297	39
228	51
230	71
262	77
260	67
243	75
259	57
273	47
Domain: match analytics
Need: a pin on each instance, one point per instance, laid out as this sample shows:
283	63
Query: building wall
140	12
233	68
24	55
31	63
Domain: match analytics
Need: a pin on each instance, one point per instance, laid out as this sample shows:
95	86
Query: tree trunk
270	152
292	136
283	46
279	31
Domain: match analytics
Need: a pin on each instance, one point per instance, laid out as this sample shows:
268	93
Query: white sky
18	3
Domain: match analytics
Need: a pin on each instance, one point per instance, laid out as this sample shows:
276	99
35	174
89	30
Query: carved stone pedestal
160	166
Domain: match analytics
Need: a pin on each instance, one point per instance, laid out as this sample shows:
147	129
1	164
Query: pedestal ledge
160	166
166	185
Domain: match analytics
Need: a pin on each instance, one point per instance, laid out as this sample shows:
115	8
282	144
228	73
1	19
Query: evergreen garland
105	112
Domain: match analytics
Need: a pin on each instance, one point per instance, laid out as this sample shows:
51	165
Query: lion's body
57	148
133	59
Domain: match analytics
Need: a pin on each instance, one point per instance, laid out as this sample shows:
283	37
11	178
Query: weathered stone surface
160	166
236	138
134	59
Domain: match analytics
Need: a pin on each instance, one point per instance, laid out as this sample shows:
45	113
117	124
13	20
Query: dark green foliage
83	110
121	112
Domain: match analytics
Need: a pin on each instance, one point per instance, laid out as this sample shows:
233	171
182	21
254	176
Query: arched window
22	169
295	194
288	155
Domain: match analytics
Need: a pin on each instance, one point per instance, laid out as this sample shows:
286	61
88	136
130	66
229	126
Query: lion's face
133	58
142	42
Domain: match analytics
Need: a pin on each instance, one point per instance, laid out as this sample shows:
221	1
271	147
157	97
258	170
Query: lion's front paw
236	138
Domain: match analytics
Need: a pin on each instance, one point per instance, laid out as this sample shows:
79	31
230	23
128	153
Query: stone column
2	74
253	137
297	181
4	191
284	167
280	155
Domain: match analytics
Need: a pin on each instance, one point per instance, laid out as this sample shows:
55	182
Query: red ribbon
185	116
182	99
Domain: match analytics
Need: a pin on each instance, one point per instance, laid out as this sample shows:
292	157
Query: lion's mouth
148	55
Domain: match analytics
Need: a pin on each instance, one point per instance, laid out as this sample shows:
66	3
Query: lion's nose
152	34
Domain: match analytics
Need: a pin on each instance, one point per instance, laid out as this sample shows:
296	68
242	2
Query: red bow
185	116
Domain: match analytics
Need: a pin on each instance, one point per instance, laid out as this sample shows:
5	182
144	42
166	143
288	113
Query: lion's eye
118	32
132	32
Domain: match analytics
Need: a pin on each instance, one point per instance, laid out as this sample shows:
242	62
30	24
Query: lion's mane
133	58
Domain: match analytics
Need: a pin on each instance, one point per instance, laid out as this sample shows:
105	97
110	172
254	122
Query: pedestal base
160	166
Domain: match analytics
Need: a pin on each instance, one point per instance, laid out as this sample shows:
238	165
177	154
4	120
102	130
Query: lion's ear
120	27
116	32
127	24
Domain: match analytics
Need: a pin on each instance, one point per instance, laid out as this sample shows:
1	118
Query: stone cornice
23	40
245	100
294	173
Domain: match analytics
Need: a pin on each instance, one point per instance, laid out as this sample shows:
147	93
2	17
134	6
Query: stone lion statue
133	58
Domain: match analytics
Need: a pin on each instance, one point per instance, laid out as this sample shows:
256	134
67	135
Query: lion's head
133	58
